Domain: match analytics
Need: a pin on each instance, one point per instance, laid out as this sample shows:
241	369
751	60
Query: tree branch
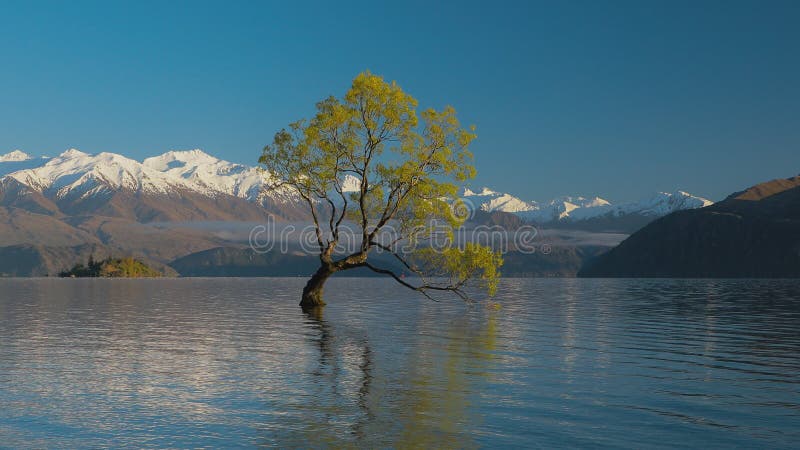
456	289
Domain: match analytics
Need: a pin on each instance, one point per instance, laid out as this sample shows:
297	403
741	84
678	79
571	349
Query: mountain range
56	210
75	182
583	211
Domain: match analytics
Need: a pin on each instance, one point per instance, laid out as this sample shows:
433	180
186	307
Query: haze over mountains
56	210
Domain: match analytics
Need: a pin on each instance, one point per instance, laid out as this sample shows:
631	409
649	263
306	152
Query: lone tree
405	165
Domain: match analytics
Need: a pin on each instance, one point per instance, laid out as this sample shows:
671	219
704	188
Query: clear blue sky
608	98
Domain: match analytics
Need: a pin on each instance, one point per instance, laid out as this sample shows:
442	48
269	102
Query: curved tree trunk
312	293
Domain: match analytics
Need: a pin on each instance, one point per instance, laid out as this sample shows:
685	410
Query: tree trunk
312	293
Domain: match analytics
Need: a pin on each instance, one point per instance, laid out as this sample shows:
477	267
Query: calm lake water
235	363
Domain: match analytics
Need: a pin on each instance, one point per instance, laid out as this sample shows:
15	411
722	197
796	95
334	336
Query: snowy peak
209	173
507	203
484	192
18	160
72	153
15	156
576	208
200	168
580	202
489	201
77	173
189	155
351	183
560	208
179	158
663	203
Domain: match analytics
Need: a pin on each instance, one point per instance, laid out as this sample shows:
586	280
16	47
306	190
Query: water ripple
234	362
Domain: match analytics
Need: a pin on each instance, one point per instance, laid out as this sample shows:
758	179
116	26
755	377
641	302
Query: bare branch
456	289
316	222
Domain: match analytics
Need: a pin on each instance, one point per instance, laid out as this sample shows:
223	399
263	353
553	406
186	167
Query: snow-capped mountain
565	208
207	172
489	201
108	182
16	155
662	203
74	173
18	160
176	186
574	209
351	183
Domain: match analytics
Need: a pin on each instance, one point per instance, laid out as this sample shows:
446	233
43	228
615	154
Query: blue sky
612	98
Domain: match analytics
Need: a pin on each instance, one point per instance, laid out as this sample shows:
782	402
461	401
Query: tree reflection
360	398
444	382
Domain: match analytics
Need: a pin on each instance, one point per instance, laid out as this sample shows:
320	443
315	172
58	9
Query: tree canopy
407	165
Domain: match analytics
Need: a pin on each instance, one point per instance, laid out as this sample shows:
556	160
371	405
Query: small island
128	267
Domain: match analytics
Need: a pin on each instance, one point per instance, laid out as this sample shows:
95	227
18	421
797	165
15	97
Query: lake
562	362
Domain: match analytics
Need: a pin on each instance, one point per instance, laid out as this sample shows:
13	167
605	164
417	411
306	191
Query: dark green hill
753	233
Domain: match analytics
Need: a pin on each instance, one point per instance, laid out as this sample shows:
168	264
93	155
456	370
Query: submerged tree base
312	300
312	293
